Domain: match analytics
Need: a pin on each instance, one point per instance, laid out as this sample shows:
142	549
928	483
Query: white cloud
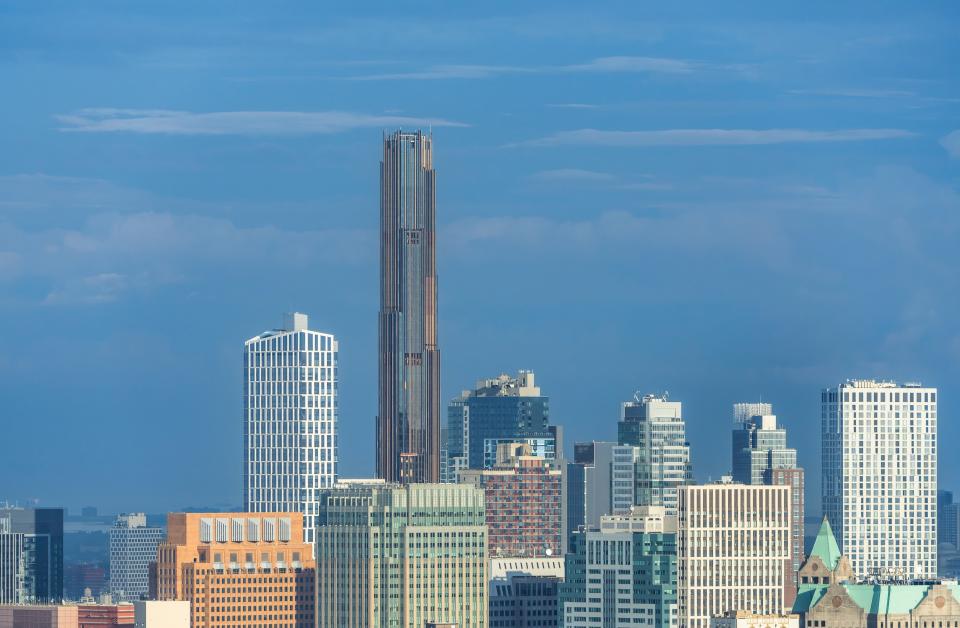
605	65
100	288
572	174
710	137
169	122
951	142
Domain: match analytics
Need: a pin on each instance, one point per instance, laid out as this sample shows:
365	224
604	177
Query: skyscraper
497	411
879	448
407	556
733	551
760	456
31	555
408	419
133	546
655	426
290	420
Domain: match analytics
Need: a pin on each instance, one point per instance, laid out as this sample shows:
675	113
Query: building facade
734	544
879	449
624	573
655	426
290	419
238	569
31	555
408	418
524	592
133	546
105	615
831	597
499	410
45	616
161	614
746	619
760	456
523	503
402	556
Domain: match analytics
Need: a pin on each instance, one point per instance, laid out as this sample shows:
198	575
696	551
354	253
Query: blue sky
723	202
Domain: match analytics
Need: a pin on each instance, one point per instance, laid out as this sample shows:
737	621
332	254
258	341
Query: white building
879	448
733	551
133	546
161	614
745	619
290	420
655	426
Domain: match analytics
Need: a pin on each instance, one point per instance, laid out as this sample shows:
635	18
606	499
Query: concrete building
31	555
623	573
28	616
830	595
238	569
524	592
523	503
602	481
161	614
401	556
499	410
133	546
746	619
408	417
879	449
734	544
760	456
104	615
290	419
654	425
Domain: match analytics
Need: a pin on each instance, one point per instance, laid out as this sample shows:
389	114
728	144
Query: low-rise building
161	614
38	616
746	619
524	592
104	615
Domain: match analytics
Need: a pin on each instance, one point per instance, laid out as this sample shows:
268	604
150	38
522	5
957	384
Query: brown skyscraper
408	421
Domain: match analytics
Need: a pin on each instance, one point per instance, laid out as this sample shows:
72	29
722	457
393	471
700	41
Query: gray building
133	546
408	418
31	555
524	592
654	425
500	410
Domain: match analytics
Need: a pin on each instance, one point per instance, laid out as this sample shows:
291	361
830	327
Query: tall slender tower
408	422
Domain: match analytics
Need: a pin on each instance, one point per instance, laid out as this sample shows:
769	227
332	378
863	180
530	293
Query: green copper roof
897	599
825	547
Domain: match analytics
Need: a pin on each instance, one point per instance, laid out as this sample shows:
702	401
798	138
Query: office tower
392	555
500	410
238	569
655	426
290	419
525	592
408	419
879	448
523	506
760	456
133	546
31	555
623	573
830	597
13	616
733	550
743	412
948	535
161	614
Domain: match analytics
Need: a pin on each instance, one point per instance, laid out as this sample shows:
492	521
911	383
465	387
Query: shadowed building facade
408	420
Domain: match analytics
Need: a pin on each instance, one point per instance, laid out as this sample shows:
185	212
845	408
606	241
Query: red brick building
104	615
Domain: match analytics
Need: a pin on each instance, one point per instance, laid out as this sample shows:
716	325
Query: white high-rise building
733	551
133	546
879	448
290	420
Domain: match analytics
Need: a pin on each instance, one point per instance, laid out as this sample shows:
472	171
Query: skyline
745	206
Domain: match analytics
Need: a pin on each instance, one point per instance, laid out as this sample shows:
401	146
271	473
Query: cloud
104	120
855	93
100	288
710	137
572	174
951	142
600	65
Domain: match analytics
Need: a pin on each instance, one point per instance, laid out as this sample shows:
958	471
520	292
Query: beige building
746	619
238	569
733	550
12	616
161	614
829	597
